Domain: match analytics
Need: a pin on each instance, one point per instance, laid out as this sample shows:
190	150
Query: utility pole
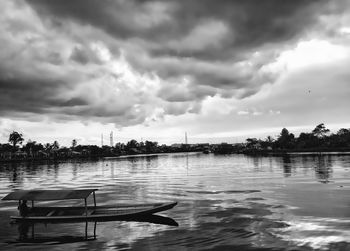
101	139
111	139
186	138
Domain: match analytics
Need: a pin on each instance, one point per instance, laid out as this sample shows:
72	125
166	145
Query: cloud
242	112
206	35
120	18
141	62
178	39
252	22
81	56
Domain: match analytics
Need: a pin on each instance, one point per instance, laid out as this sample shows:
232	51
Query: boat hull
100	213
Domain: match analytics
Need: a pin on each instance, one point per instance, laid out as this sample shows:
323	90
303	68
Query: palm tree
47	147
74	143
55	145
15	138
269	139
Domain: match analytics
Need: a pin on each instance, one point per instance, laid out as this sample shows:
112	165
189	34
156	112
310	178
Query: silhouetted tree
320	131
269	139
341	138
343	132
15	138
132	144
267	143
32	147
151	147
55	145
285	139
5	147
94	150
306	140
252	142
74	143
47	147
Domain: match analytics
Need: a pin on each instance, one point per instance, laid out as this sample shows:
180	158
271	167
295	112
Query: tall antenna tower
111	138
186	138
101	139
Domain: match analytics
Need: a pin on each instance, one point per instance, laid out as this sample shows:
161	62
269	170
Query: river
225	202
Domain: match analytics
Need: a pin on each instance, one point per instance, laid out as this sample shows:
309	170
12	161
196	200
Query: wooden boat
82	213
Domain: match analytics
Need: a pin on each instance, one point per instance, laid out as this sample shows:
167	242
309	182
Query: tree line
16	150
319	139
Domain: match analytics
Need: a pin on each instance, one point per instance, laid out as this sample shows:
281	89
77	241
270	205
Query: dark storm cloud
210	41
252	22
80	56
121	18
84	56
33	96
24	98
122	60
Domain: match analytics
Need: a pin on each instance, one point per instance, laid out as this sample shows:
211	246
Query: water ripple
225	201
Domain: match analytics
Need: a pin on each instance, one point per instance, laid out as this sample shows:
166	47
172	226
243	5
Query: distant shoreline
56	159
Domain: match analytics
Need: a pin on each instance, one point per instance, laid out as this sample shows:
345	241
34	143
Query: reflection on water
287	166
26	230
323	168
26	234
297	202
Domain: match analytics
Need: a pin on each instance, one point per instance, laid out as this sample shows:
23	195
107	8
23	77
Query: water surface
226	202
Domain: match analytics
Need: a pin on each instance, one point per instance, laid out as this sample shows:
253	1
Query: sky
221	70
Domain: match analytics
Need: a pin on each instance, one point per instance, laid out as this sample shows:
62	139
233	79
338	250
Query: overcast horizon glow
221	71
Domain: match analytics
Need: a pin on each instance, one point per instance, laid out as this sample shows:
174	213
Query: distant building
176	145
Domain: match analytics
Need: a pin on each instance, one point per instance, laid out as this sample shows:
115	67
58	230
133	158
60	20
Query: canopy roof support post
95	230
94	198
32	203
85	207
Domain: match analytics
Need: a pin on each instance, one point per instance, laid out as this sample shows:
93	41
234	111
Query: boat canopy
47	195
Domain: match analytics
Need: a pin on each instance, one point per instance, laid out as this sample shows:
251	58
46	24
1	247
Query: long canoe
86	213
91	213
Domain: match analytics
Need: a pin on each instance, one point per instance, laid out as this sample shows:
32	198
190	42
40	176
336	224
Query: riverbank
93	157
311	152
